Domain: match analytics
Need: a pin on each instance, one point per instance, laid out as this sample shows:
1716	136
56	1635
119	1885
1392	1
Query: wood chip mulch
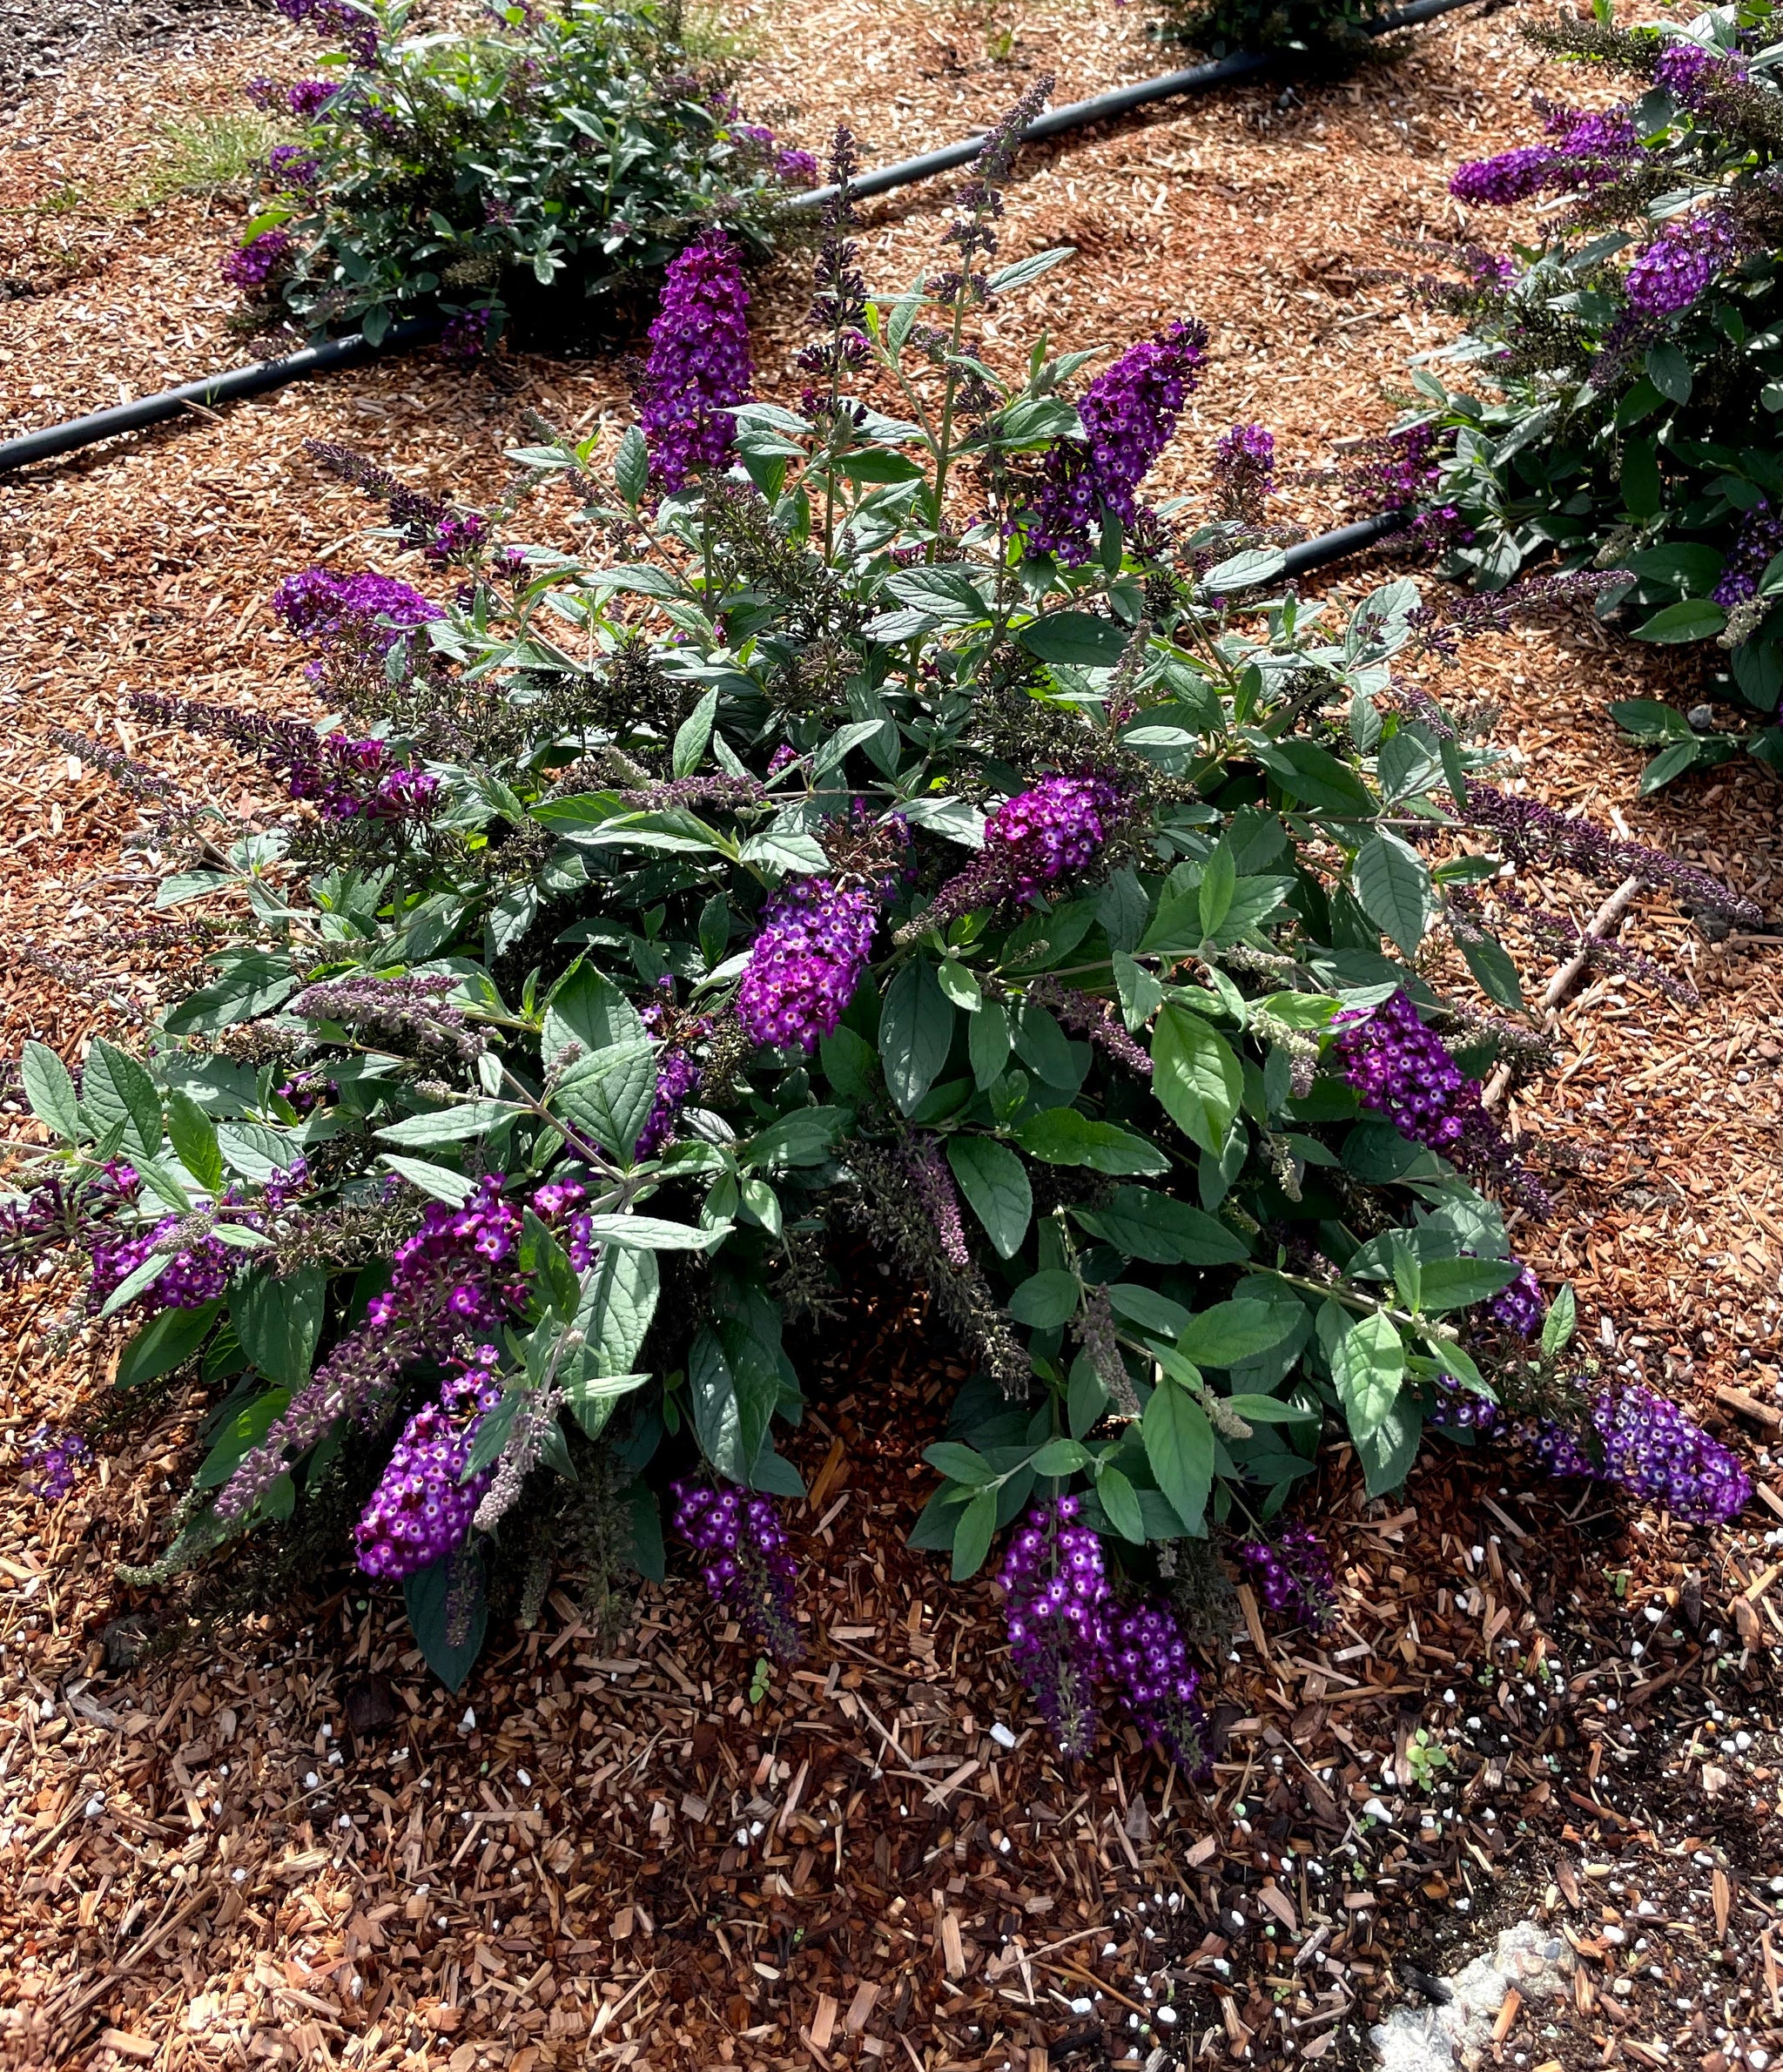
286	1844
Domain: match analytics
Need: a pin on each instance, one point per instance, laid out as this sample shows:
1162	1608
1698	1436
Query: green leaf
279	1322
1387	1452
1121	1504
1643	495
1668	369
1316	775
1269	1410
694	735
1045	1300
240	1434
653	1233
1492	967
959	1464
610	1096
116	1089
1059	1457
1179	1443
631	468
1393	885
1196	1077
996	1185
49	1086
1077	638
916	1032
1231	1332
1063	1137
587	1010
1219	882
851	1064
194	1137
427	1595
1693	618
132	1285
441	1183
1367	1365
973	1534
1561	1322
1455	1283
619	1293
1244	570
448	1126
988	1041
1150	1225
648	1556
253	983
166	1342
1668	763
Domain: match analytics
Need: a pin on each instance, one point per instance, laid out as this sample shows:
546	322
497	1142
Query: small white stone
96	1806
239	1875
525	1777
310	1780
1002	1736
468	1724
1080	2006
1167	2016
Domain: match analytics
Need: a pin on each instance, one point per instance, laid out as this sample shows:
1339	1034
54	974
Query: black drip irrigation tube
201	395
345	352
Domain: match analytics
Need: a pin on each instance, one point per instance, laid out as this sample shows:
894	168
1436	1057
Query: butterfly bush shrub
812	844
1622	377
573	150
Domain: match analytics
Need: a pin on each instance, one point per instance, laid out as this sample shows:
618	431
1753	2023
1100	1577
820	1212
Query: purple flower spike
1150	1666
1129	416
814	945
252	266
699	363
1292	1575
1520	1306
1651	1448
1512	175
1058	1617
1244	471
423	1509
745	1557
1758	543
1670	273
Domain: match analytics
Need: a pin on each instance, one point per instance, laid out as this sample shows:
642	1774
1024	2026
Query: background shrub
573	152
1625	373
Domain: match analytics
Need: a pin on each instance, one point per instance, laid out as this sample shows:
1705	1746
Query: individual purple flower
251	266
54	1457
1758	543
807	961
1244	471
1058	1619
745	1559
293	169
1669	274
699	364
1148	1662
423	1508
1129	416
1292	1575
1400	1069
1650	1447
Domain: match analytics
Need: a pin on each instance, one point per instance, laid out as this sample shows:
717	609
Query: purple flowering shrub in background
1619	407
573	151
920	831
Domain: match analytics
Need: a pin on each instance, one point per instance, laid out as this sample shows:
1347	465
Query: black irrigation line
344	351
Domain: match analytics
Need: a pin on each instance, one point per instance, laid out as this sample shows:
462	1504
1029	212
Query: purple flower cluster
1148	1661
1669	274
355	28
329	609
678	1076
423	1507
197	1272
53	1457
357	780
699	363
1403	469
293	169
1690	74
1040	834
1292	1575
1518	1305
1758	543
308	98
1401	1070
58	1214
251	266
745	1557
450	1266
1244	471
1511	175
1058	1619
1650	1447
796	167
467	335
1129	416
1590	148
815	940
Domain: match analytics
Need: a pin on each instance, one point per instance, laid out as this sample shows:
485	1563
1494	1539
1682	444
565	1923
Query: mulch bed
283	1842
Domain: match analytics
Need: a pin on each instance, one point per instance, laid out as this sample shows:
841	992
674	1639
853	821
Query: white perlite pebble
1436	2039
